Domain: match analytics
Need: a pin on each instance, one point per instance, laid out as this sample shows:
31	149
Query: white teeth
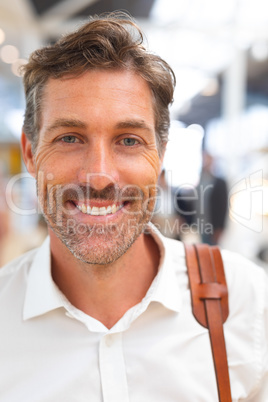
86	209
94	211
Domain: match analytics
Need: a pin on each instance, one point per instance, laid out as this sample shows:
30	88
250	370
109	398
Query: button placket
112	369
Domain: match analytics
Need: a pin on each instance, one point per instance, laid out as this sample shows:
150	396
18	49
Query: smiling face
96	162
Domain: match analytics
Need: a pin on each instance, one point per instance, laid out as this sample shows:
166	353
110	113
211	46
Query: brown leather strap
210	305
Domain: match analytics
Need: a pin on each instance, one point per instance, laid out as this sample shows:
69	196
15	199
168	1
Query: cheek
52	174
151	166
54	166
141	175
144	175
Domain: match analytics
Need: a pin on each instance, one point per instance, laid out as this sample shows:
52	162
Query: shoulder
247	287
247	283
18	266
241	272
247	324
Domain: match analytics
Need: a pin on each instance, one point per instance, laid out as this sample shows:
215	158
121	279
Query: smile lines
111	209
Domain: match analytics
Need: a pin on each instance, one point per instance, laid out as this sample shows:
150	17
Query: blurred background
214	186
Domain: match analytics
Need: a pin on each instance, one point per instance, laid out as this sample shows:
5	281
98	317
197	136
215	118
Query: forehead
111	89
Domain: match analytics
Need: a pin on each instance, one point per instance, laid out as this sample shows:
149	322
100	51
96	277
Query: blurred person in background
212	203
165	218
102	311
174	208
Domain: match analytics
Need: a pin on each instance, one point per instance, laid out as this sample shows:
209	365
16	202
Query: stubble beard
100	244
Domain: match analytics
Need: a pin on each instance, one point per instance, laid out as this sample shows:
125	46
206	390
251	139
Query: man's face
96	162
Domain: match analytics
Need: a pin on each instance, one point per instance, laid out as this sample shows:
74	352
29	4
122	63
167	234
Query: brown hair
105	42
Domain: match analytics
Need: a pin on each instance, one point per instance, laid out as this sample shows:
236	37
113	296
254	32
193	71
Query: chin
100	245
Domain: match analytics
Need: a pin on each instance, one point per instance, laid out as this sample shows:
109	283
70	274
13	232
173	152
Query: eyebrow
132	123
66	123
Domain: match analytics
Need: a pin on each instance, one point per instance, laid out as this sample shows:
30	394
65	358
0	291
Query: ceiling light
9	54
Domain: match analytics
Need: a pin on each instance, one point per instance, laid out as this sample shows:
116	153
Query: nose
98	167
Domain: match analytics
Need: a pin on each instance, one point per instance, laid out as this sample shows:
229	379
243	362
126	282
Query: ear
27	154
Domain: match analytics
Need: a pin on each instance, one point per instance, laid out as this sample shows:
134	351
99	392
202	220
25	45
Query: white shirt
157	352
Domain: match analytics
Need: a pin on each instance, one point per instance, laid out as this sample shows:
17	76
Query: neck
106	292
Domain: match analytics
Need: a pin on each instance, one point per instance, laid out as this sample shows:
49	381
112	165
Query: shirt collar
42	294
165	287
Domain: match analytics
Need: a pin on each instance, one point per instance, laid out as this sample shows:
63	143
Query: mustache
74	193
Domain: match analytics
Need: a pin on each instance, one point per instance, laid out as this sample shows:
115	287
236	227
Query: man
102	312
